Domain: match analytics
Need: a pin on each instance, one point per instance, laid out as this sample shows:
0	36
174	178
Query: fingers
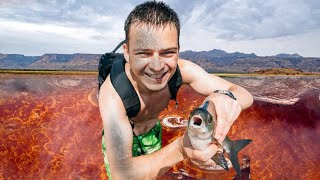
227	112
221	124
204	160
223	119
200	156
235	112
209	165
204	155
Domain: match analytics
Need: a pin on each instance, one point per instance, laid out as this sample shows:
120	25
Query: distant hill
283	71
13	61
66	62
50	61
288	56
215	57
221	61
212	61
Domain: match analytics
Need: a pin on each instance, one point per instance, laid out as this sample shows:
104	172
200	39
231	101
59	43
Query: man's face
152	54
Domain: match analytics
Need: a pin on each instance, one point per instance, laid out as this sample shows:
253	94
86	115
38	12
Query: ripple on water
93	97
67	82
254	82
291	101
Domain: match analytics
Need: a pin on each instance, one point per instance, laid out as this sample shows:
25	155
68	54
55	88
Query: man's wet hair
152	13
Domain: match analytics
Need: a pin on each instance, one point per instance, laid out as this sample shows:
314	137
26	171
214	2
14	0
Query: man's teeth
155	76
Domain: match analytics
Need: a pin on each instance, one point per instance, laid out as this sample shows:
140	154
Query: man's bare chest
152	104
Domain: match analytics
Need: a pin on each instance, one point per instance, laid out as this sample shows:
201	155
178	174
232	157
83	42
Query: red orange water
50	128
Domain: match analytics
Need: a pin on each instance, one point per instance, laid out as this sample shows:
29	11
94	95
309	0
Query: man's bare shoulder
189	70
110	101
182	63
187	65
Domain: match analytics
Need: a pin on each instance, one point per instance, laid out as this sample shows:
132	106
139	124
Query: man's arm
205	83
118	139
227	109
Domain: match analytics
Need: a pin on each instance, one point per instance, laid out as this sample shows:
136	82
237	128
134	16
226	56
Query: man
151	53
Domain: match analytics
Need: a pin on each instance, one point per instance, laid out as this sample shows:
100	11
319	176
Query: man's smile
156	76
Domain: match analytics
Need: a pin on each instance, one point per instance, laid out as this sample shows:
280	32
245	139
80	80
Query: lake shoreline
75	72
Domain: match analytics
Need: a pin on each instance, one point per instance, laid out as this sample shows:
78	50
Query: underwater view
50	128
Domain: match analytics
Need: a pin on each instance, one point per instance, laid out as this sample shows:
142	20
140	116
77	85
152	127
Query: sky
263	27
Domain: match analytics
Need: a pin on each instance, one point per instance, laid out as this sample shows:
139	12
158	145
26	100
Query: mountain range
212	61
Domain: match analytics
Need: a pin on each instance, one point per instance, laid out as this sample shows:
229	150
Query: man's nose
156	64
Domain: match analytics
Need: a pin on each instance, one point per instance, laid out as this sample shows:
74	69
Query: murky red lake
50	128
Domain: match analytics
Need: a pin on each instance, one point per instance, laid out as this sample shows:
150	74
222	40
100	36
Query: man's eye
143	53
168	53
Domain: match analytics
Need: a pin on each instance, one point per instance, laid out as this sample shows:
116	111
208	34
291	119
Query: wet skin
152	55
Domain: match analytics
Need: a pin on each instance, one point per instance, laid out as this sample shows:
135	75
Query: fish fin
220	160
236	146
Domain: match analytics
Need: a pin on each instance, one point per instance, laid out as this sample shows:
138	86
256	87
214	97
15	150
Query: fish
200	130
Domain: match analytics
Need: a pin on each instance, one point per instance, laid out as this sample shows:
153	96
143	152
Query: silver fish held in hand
201	129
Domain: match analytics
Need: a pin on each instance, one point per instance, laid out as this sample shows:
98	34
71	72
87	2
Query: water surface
50	128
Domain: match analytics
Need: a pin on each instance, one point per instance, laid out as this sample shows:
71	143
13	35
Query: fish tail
235	147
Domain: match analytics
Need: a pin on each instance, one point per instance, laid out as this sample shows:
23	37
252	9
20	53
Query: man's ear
126	52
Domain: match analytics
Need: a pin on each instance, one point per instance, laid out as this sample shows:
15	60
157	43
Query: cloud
53	26
53	29
247	19
96	26
59	38
93	13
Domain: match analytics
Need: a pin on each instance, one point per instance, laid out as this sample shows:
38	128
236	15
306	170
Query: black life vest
113	64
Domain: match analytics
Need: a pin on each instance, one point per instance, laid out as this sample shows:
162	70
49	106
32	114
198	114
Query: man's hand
202	159
227	110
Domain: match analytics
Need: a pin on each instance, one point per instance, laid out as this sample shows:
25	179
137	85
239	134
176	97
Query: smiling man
132	143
